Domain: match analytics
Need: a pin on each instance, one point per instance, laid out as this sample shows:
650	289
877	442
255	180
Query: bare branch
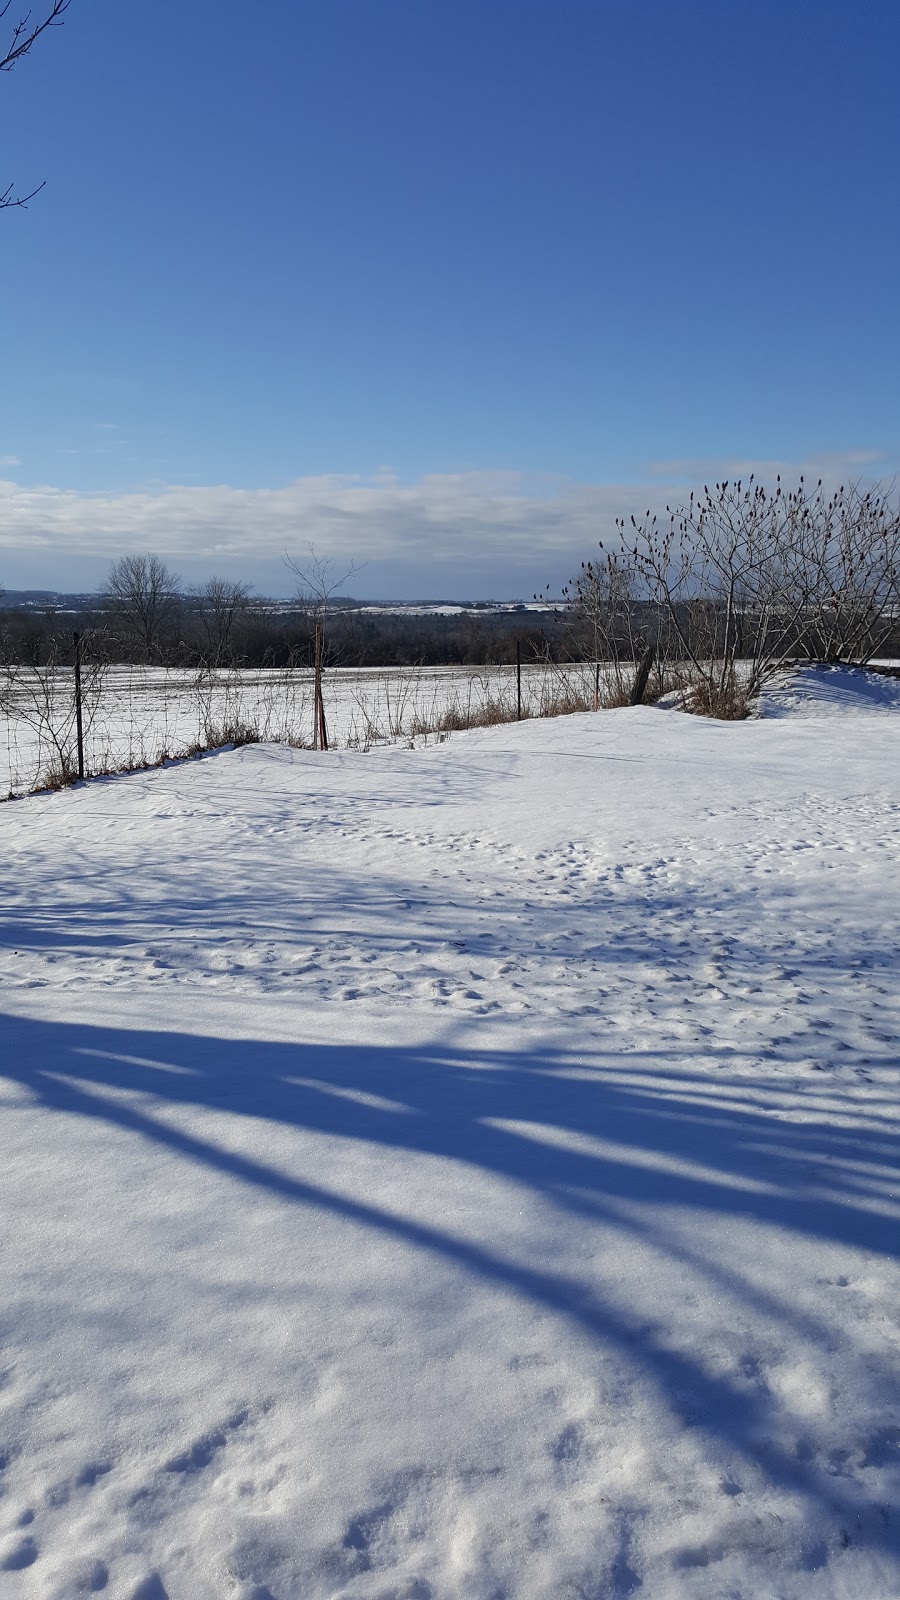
318	577
318	580
24	35
26	32
7	198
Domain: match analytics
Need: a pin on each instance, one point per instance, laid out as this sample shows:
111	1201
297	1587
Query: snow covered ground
459	1172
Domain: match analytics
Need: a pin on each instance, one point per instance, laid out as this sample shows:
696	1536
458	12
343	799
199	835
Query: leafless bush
233	733
845	557
728	702
603	613
740	581
56	776
273	705
43	699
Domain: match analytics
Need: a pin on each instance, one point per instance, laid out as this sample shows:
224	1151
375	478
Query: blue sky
434	284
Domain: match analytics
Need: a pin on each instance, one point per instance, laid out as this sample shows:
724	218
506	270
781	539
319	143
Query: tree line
144	615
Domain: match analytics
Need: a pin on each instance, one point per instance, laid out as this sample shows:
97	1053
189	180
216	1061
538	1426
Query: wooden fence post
643	673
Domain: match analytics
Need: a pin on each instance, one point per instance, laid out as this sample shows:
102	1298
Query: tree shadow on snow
648	1131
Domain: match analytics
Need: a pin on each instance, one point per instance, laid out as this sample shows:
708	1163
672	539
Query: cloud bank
444	517
449	526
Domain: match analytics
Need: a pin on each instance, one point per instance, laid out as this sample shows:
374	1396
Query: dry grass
727	702
228	736
557	700
58	775
564	701
564	694
235	733
459	717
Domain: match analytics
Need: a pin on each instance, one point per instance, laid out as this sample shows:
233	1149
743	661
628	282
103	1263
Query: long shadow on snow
662	1142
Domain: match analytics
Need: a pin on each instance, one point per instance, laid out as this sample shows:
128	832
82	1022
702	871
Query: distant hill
55	601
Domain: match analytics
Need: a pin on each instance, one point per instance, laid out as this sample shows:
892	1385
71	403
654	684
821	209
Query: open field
460	1171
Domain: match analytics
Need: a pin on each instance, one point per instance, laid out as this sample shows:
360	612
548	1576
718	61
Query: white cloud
10	461
479	517
468	521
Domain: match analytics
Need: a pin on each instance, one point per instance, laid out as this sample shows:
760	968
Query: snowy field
133	715
460	1173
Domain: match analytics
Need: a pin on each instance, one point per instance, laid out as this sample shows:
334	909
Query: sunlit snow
461	1172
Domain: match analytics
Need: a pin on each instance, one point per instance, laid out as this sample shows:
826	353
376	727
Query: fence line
59	722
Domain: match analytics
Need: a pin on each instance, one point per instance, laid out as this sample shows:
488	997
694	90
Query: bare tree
25	33
221	604
143	594
318	581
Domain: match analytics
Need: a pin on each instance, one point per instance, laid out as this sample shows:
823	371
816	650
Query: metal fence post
79	730
321	735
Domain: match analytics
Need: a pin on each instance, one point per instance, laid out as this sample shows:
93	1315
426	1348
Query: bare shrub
42	699
605	618
56	776
742	580
233	733
844	556
729	703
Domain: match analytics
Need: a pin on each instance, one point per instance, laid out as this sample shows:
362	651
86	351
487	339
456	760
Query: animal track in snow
203	1451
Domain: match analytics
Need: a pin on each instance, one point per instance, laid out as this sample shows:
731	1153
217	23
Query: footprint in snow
18	1555
150	1588
83	1575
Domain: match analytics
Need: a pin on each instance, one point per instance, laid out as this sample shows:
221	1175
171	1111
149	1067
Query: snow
831	692
467	1171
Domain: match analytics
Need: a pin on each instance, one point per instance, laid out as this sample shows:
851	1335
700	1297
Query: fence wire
137	716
